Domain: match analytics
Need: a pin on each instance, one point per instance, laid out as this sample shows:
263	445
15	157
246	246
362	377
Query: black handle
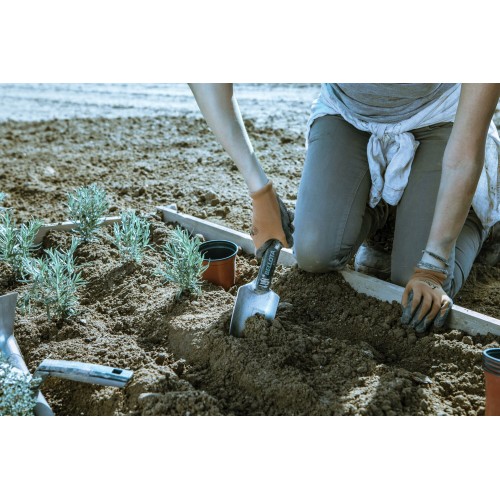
267	266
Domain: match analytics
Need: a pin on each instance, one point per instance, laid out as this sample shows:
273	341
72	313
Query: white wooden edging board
67	226
460	318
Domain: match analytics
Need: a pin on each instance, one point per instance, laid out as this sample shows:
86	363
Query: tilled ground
329	351
149	161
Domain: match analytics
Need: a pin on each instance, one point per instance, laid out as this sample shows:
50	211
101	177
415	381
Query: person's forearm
462	164
220	109
454	199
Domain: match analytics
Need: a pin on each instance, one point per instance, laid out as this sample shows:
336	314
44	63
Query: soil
329	350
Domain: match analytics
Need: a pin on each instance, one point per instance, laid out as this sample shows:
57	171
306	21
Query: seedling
17	244
184	263
55	280
87	206
17	391
132	236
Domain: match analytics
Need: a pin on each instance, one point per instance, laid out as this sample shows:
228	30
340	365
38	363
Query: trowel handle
267	266
83	372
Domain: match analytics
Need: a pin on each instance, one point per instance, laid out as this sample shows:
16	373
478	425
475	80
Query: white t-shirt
387	102
391	147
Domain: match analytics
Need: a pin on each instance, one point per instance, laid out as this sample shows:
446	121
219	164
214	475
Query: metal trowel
257	297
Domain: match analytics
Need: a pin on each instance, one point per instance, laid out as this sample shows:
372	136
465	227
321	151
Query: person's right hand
271	220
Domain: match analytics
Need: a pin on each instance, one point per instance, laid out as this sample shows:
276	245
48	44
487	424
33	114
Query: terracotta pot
221	259
491	366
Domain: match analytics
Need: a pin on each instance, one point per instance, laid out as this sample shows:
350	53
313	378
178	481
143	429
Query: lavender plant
183	263
55	280
87	206
17	390
131	236
17	243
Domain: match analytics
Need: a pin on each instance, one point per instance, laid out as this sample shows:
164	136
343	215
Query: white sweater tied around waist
391	149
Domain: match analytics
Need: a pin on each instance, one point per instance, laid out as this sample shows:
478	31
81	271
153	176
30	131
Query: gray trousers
332	216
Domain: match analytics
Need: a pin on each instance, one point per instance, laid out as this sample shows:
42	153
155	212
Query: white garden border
460	318
68	226
42	407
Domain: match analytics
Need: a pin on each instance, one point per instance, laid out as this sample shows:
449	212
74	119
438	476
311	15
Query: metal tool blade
257	297
250	302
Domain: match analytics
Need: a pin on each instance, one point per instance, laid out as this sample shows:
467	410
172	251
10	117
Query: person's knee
315	255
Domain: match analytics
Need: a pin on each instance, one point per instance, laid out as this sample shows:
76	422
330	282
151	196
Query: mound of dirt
330	350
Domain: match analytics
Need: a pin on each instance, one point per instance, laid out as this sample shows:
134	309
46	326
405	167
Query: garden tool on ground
70	370
257	297
83	372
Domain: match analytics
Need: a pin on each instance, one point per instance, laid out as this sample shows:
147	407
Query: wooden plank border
460	318
67	226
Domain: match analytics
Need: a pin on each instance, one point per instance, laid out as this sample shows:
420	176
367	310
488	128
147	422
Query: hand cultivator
70	370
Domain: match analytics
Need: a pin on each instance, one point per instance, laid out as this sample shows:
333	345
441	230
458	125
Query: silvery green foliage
132	236
17	243
87	206
2	197
17	391
55	280
183	263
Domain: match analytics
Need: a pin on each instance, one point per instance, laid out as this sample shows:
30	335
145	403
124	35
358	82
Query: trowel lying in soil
83	372
257	297
71	370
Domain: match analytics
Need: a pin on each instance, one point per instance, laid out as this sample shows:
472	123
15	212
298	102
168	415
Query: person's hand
271	220
424	300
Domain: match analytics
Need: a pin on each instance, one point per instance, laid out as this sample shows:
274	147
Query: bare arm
270	218
220	109
424	296
462	164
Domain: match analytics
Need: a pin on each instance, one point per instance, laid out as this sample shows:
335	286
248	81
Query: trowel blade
250	302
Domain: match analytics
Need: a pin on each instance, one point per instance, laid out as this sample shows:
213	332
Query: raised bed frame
8	341
68	226
460	318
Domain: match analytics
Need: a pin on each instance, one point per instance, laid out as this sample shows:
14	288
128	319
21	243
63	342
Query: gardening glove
271	220
424	300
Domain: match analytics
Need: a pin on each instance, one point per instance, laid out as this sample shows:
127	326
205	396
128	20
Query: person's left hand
424	300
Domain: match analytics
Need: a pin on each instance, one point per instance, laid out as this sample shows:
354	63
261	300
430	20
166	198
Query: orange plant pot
491	366
220	256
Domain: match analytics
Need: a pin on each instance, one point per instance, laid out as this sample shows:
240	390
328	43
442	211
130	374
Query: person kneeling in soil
429	151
